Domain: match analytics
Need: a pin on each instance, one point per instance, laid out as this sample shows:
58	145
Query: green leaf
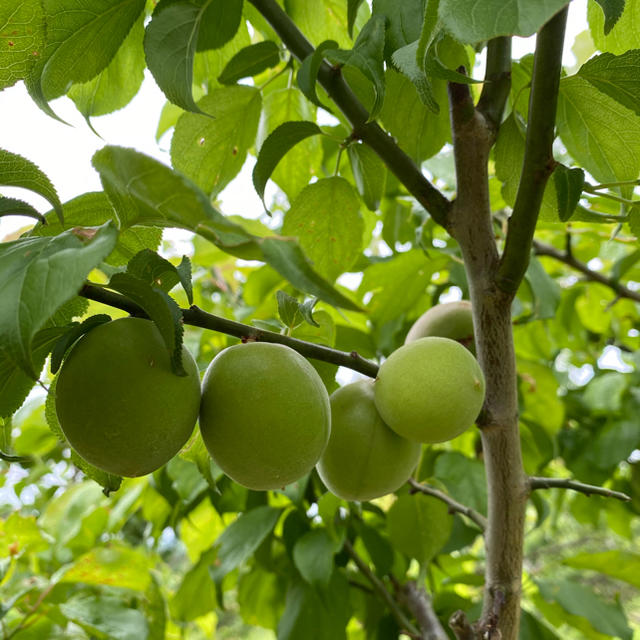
160	307
22	36
288	309
211	151
220	22
92	209
326	219
241	538
623	34
105	616
82	39
545	290
196	594
471	21
612	10
308	72
325	20
118	83
115	566
250	61
157	271
352	12
621	565
405	59
604	393
37	276
170	45
464	479
14	207
579	600
533	629
313	557
616	76
600	133
16	171
419	526
274	148
378	548
403	22
569	184
261	598
76	331
369	174
367	57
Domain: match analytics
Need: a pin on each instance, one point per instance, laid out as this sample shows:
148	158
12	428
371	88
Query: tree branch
382	591
567	257
398	162
461	627
419	603
573	485
454	505
196	317
538	156
497	81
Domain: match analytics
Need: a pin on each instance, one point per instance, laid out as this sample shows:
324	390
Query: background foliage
187	553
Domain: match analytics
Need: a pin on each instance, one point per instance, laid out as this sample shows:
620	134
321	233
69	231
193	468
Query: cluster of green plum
264	413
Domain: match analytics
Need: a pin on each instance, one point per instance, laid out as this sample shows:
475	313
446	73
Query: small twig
454	505
196	317
573	485
542	249
382	591
461	627
9	458
420	604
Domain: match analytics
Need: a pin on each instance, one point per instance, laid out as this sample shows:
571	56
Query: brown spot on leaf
84	234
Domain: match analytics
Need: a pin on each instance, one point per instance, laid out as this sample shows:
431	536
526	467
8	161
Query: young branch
398	162
538	156
454	505
567	258
420	604
574	485
196	317
461	627
497	81
382	591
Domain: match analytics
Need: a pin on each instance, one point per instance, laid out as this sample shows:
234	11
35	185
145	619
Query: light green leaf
579	600
419	526
115	566
250	61
241	538
211	151
319	21
196	594
604	393
37	276
622	565
313	557
105	616
261	598
118	83
16	171
369	174
20	533
288	309
82	39
405	59
464	479
275	147
612	10
616	76
475	20
367	57
22	37
625	33
403	22
325	218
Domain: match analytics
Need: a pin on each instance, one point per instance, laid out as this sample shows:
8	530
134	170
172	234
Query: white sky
64	152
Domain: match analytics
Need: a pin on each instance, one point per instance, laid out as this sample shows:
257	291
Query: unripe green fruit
265	415
452	320
364	458
430	390
119	404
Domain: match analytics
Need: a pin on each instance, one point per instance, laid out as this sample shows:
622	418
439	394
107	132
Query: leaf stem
196	317
573	485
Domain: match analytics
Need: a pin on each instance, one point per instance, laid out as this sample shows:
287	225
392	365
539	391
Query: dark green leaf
16	171
569	184
306	311
369	174
15	207
533	629
367	57
37	276
612	11
250	61
241	538
211	151
313	557
405	59
184	274
352	12
288	309
419	526
308	72
464	479
274	148
154	270
24	20
160	307
468	23
616	76
545	290
378	548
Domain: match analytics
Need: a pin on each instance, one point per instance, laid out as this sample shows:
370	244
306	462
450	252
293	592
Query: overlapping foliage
187	553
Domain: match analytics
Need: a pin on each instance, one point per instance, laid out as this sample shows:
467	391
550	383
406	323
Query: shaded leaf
308	72
313	557
613	10
569	184
369	174
15	207
250	61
